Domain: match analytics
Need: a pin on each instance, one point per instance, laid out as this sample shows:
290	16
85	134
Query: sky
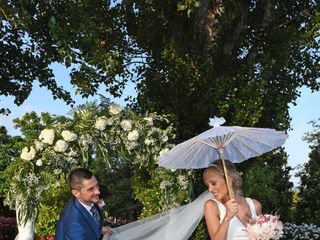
41	100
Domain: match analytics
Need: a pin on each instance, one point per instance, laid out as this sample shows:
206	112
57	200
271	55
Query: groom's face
89	192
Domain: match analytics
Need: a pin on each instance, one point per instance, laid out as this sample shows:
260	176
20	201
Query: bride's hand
232	209
106	231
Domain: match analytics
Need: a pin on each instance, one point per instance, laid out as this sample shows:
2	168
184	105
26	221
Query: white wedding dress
236	230
177	224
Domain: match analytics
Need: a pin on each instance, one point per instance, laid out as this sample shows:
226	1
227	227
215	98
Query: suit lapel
88	218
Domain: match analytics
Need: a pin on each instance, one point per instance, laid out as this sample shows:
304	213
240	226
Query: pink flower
265	227
101	203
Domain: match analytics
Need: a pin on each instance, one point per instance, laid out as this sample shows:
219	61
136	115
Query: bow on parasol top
234	143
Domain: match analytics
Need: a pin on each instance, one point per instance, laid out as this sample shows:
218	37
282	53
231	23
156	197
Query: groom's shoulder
70	206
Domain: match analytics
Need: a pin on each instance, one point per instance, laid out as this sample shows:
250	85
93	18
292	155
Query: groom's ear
75	193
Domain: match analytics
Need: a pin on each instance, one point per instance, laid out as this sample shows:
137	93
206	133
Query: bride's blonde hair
234	176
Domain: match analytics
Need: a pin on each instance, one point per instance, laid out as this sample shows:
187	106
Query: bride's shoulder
211	203
211	208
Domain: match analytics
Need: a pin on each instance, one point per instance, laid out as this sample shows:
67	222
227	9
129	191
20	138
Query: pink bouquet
265	227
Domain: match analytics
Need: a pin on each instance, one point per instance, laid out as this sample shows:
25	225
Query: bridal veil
178	223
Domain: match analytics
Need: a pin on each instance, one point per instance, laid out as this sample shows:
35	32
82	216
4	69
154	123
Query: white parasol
222	142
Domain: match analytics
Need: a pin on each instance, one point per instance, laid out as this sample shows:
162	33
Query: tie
95	214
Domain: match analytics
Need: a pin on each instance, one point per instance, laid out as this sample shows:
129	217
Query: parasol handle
230	191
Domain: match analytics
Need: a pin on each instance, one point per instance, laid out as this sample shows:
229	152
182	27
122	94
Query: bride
226	217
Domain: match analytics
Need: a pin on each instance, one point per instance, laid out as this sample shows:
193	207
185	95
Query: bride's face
216	185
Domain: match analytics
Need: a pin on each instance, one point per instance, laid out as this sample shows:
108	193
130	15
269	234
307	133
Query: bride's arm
217	230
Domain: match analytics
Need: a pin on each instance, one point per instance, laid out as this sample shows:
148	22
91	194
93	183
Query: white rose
47	136
101	123
69	136
126	125
115	109
61	146
149	120
133	135
39	162
28	155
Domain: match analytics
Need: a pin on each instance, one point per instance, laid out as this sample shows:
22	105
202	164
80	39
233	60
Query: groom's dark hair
77	176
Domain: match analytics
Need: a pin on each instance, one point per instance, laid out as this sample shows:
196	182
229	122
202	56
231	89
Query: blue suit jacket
76	223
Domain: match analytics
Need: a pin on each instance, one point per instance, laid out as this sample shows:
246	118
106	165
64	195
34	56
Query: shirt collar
88	207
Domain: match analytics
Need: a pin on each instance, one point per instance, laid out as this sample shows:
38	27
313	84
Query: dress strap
252	208
222	209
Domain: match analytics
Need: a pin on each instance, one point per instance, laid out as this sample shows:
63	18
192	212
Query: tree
86	36
241	59
267	179
244	60
9	150
307	210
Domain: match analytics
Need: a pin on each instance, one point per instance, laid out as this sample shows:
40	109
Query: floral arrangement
303	231
107	133
265	227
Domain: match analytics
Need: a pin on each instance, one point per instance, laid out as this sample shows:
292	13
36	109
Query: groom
82	218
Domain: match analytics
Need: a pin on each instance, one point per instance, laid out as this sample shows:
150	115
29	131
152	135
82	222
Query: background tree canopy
309	176
244	60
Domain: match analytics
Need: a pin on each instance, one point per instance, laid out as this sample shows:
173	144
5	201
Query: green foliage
86	36
171	186
9	150
267	180
116	188
201	232
257	183
189	50
240	60
52	203
307	210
